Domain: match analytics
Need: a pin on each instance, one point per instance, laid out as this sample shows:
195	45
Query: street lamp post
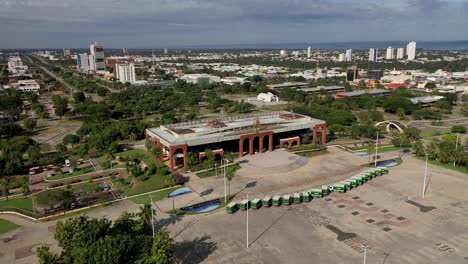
247	220
365	254
376	146
425	176
456	147
225	183
152	216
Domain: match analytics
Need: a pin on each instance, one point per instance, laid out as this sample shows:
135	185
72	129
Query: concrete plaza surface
387	214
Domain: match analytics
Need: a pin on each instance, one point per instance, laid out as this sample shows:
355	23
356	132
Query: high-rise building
283	53
411	50
125	72
308	52
92	63
82	61
400	53
165	51
349	55
352	73
66	52
341	57
373	54
125	51
374	74
98	56
390	53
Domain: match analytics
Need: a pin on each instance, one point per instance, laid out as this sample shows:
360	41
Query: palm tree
418	148
149	144
172	182
401	113
110	155
229	177
5	187
370	150
146	214
156	151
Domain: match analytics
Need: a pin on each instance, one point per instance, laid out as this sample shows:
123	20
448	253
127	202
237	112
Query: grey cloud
228	21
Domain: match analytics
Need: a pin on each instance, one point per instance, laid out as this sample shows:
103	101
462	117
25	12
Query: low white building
201	78
267	97
125	72
27	86
233	80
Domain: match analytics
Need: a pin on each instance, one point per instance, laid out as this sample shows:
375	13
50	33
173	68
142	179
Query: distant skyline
198	23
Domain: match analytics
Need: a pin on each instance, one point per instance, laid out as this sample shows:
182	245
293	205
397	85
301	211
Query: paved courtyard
387	214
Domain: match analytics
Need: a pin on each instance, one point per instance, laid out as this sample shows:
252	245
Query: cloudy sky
179	23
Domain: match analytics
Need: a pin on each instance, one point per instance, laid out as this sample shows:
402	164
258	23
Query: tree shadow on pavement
171	220
194	251
206	192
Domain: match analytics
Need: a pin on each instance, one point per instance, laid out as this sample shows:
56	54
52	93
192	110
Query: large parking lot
388	215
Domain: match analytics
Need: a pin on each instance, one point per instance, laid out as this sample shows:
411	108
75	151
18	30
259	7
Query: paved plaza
387	215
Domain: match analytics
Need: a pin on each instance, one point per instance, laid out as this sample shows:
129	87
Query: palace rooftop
230	128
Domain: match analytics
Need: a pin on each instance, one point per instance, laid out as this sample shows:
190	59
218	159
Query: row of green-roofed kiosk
307	196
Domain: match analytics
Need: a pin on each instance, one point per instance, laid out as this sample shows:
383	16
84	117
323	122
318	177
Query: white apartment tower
125	72
92	63
97	51
82	61
349	55
341	57
411	50
390	53
308	52
373	54
400	53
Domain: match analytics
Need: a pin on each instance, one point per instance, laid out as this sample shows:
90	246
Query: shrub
55	184
458	129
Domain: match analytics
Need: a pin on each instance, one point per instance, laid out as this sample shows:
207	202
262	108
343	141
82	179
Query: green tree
413	133
5	184
47	257
146	214
430	85
60	105
60	148
172	181
401	113
162	251
34	153
88	240
370	151
79	97
458	129
418	148
30	123
71	139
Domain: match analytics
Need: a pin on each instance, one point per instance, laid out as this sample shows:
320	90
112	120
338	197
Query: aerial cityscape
234	131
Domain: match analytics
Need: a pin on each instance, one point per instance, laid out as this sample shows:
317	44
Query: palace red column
173	149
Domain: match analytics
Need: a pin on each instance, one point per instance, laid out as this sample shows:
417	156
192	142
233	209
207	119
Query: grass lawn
312	153
429	135
105	164
76	173
383	149
155	182
20	205
229	171
447	165
6	226
157	196
138	153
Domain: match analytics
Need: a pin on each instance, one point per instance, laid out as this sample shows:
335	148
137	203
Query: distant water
425	45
